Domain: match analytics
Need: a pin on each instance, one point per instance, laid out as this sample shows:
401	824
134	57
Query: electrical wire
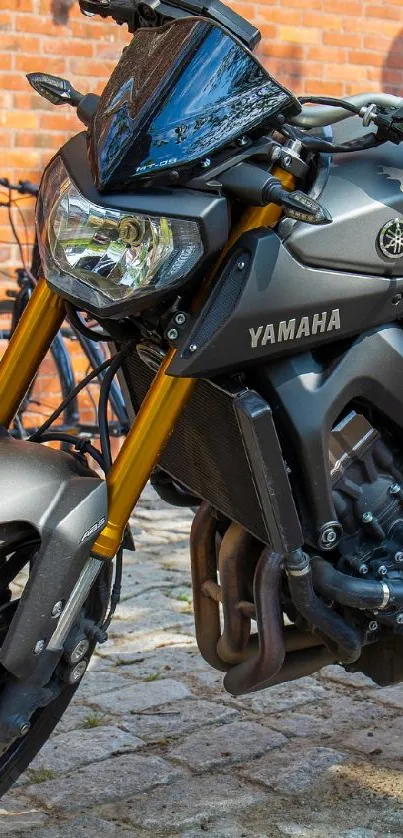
75	320
82	444
72	395
330	100
103	407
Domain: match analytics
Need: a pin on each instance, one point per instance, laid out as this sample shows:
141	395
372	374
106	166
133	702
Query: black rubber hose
368	594
170	491
116	362
347	640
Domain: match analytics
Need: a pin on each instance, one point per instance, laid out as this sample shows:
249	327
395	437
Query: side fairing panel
364	191
268	305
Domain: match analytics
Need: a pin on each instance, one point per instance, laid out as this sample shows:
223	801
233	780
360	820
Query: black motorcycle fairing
307	399
363	192
281	307
179	93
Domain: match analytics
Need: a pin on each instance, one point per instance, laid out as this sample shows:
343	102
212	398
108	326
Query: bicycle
61	369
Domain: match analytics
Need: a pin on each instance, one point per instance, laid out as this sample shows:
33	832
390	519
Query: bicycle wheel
52	383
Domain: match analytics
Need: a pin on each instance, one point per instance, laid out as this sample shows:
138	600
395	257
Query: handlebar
321	115
24	187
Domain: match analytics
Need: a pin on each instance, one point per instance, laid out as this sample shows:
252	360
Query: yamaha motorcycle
241	249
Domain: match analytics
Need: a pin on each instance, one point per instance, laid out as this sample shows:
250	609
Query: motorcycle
241	249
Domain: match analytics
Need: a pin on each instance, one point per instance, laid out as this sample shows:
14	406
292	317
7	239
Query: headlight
104	256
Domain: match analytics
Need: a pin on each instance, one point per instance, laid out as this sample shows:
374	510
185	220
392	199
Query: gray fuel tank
363	192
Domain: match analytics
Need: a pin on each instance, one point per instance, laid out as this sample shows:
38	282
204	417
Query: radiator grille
205	451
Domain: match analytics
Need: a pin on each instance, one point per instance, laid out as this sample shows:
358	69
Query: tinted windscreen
178	94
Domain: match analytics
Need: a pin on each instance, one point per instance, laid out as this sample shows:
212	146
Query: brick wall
318	46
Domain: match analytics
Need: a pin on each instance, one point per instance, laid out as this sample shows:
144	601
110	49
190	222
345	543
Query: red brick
280	14
327	54
57	46
18	119
325	88
66	121
19	5
40	26
5	21
341	39
366	58
385	11
33	63
323	22
297	34
13	81
350	8
5	61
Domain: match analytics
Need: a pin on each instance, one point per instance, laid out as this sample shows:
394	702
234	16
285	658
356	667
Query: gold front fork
28	346
158	414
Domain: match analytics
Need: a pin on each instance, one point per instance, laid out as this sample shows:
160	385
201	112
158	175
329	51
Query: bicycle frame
158	414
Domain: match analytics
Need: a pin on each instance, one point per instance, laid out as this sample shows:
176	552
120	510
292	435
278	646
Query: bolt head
287	160
206	163
363	569
241	265
77	673
192	347
382	570
328	537
399	619
57	609
25	728
173	334
373	626
243	141
180	318
367	517
394	489
40	647
80	650
399	557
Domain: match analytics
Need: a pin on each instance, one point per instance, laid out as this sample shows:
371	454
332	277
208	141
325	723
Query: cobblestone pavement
153	746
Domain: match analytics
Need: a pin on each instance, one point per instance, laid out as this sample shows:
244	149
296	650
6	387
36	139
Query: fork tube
147	437
28	345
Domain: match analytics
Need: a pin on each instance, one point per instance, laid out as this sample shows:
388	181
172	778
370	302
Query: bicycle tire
63	369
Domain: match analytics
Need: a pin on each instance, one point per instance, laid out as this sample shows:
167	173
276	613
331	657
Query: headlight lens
104	256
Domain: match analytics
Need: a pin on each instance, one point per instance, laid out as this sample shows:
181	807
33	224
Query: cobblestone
15	818
138	697
77	748
292	770
192	801
225	745
85	826
103	782
177	719
386	739
306	759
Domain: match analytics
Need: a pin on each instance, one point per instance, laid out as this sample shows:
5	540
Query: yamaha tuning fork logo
390	239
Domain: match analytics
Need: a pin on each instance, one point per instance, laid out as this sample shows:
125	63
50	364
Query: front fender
66	503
